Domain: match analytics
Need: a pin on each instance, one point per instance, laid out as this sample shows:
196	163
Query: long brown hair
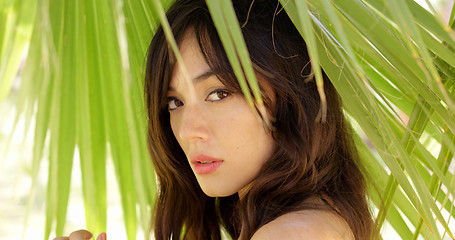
313	158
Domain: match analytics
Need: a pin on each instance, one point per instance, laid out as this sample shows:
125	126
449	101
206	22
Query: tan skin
306	224
81	235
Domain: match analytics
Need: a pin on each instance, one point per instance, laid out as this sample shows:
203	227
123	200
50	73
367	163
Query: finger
102	236
61	238
80	235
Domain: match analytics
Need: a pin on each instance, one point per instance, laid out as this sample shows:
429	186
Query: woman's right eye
174	103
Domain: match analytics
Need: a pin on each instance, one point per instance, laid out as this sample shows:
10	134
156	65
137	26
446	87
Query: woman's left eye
218	95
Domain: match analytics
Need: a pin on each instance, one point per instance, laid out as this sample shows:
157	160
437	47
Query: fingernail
102	236
88	236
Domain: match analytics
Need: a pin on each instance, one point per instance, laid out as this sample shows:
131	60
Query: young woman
219	167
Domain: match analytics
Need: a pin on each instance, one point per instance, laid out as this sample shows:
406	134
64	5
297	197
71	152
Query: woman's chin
217	193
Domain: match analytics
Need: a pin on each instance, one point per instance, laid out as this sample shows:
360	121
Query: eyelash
178	103
169	101
226	92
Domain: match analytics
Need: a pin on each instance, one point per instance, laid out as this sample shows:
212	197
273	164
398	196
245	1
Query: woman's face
223	140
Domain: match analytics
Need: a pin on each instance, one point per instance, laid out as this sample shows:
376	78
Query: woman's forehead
192	65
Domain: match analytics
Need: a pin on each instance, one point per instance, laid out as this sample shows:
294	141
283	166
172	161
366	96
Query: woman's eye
174	103
218	95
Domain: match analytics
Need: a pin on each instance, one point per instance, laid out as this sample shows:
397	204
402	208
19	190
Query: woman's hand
81	235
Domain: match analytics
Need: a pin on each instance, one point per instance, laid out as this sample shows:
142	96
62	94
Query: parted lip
198	158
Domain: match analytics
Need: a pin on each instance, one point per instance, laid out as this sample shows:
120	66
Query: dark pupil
221	94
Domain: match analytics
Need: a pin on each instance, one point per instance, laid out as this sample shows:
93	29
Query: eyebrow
199	78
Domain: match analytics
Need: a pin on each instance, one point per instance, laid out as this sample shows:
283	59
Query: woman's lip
203	158
204	164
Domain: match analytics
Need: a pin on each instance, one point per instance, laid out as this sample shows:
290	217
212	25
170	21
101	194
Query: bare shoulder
306	224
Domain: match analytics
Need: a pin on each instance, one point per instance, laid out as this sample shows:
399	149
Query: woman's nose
194	124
